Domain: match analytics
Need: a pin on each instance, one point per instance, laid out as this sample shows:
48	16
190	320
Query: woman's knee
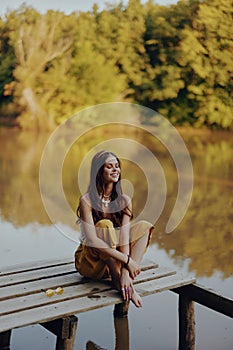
140	229
104	223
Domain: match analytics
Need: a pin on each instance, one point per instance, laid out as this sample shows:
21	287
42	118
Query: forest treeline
174	59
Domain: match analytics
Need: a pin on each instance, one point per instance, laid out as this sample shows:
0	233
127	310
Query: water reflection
121	326
205	234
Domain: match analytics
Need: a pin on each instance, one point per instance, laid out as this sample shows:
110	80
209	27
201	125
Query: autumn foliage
175	59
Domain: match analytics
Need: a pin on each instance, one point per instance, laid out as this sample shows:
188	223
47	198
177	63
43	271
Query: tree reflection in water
205	234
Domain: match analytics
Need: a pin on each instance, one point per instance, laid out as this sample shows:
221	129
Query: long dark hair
118	206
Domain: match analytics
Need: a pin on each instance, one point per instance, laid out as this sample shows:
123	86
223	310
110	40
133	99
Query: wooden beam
5	339
65	330
208	298
186	323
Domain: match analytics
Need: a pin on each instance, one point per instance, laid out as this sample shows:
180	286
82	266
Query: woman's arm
90	232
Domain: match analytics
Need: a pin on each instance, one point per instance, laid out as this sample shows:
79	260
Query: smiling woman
110	246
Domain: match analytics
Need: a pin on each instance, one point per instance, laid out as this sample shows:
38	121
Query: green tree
7	62
96	78
58	68
165	91
190	51
207	55
37	41
120	32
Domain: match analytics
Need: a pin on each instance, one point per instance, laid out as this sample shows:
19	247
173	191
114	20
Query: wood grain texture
23	300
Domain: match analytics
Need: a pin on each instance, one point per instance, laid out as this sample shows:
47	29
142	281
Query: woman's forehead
111	159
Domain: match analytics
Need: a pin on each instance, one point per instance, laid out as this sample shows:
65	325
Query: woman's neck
108	189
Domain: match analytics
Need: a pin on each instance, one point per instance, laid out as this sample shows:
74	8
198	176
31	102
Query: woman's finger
123	292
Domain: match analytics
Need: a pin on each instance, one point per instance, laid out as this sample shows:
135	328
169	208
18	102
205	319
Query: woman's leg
106	232
140	237
140	234
115	272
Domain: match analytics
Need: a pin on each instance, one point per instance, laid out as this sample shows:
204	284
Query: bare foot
136	299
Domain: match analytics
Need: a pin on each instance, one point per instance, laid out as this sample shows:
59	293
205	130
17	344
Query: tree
190	50
162	37
207	49
37	41
120	32
7	62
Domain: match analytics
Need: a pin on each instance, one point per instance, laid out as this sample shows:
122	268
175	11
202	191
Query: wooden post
68	342
186	323
65	330
121	310
5	339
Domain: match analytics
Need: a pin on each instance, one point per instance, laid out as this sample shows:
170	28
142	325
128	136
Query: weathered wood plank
36	286
41	264
34	265
29	276
98	300
165	283
75	291
208	298
58	310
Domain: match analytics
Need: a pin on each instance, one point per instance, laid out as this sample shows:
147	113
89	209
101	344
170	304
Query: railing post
186	323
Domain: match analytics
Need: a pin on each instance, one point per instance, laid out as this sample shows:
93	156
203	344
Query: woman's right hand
133	268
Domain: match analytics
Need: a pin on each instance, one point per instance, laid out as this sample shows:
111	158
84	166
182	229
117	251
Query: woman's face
111	171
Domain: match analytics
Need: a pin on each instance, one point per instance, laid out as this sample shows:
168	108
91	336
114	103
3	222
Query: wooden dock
23	299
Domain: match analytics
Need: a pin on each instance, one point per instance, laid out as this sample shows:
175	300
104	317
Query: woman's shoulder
85	200
127	200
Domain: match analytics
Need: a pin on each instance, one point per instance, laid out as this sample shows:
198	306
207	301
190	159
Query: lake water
201	245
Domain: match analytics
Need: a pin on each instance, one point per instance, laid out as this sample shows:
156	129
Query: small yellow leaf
49	292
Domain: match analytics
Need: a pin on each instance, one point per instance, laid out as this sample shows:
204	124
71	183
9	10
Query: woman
110	246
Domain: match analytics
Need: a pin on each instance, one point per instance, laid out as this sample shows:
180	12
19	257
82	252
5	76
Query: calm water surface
202	245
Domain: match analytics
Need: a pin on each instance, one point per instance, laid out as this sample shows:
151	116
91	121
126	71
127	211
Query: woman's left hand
126	285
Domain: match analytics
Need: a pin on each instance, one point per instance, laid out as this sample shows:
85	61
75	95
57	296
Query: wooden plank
69	307
27	276
40	264
36	286
57	310
47	271
208	298
75	291
166	283
147	264
34	265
